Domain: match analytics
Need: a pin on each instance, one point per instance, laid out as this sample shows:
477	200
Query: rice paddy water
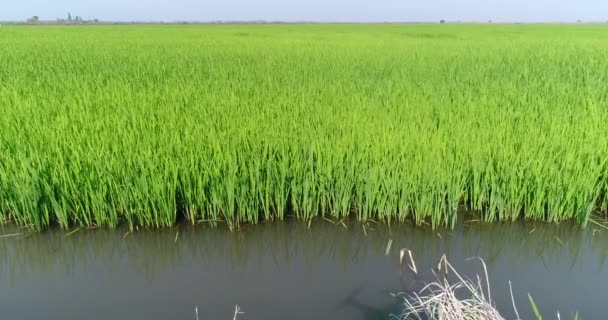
286	270
151	125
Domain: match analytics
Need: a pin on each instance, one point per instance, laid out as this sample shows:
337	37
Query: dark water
287	271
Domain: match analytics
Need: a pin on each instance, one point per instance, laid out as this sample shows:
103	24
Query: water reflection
278	245
273	269
366	310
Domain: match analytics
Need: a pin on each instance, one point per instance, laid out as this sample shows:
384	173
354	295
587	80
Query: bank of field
149	125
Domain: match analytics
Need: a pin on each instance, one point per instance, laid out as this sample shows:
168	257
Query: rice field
146	126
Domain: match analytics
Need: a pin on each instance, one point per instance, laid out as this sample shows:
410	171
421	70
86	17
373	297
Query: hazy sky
312	10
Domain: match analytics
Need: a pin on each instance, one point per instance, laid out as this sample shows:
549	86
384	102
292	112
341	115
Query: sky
310	10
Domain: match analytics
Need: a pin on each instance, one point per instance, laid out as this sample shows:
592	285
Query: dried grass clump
442	299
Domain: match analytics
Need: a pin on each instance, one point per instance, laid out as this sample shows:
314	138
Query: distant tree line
76	20
34	19
68	20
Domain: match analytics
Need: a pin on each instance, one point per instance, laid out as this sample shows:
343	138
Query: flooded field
288	271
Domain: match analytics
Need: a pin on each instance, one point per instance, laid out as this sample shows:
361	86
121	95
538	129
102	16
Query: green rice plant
150	125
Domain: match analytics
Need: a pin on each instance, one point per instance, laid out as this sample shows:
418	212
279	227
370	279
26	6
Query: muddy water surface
288	271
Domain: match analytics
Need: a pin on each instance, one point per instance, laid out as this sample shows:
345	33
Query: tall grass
145	125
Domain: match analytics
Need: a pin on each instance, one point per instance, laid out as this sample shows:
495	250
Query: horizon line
94	21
